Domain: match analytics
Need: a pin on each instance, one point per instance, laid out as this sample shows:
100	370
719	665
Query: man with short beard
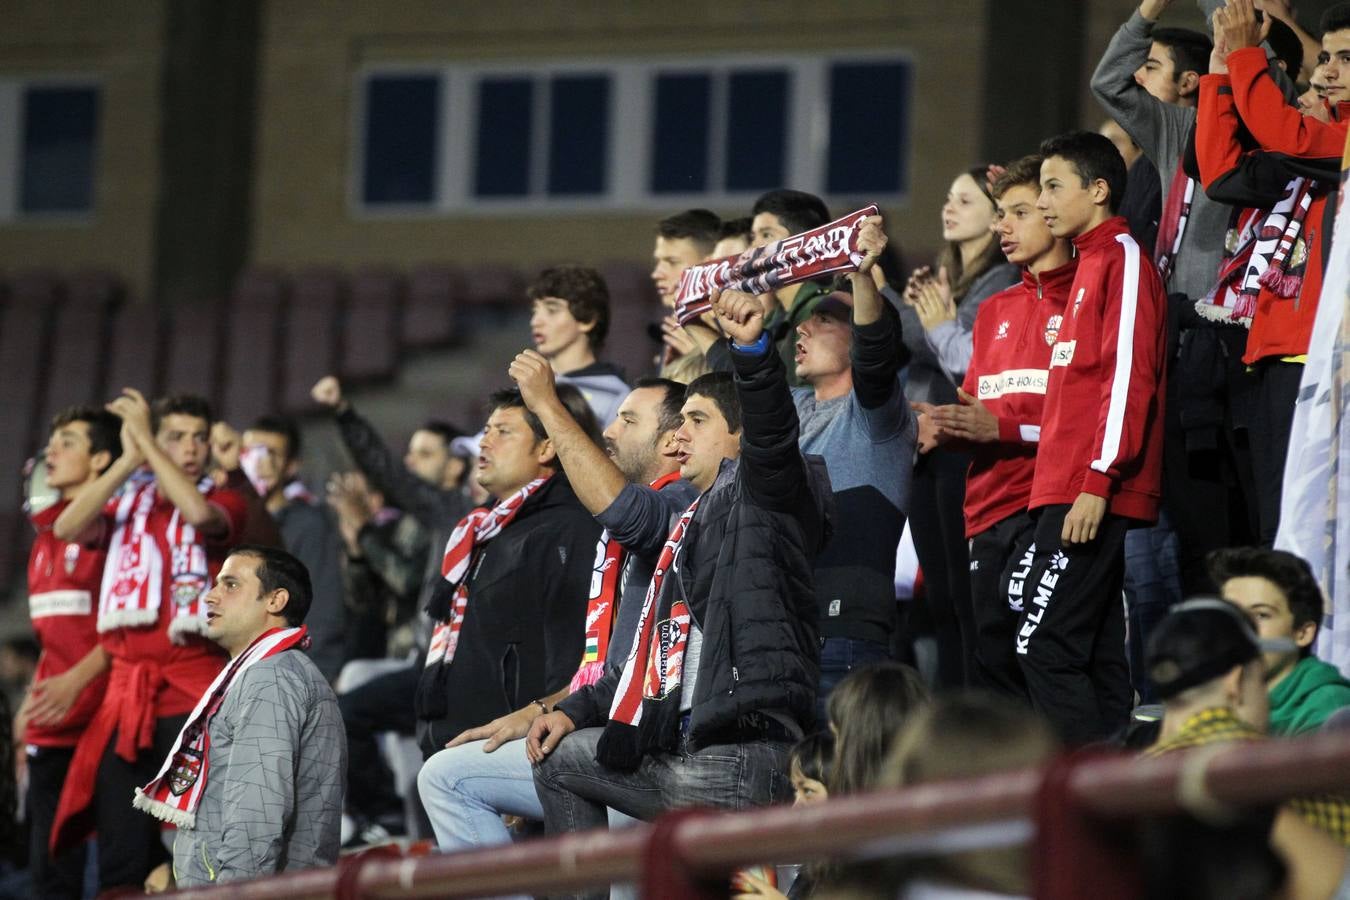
465	791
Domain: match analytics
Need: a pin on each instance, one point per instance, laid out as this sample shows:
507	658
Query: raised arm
80	517
1227	172
877	353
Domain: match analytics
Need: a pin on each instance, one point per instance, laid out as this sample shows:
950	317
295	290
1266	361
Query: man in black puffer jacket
723	672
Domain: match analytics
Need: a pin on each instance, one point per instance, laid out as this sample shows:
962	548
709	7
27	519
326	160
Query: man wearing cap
1207	666
853	413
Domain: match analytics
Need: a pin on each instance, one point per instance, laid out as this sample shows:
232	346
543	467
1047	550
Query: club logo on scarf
129	576
186	589
1052	326
665	668
72	557
187	768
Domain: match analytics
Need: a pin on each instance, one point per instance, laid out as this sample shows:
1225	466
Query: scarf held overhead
802	257
176	791
469	536
647	700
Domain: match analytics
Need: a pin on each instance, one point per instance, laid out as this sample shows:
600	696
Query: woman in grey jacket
938	315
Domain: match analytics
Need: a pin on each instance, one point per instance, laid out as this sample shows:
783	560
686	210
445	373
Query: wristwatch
542	706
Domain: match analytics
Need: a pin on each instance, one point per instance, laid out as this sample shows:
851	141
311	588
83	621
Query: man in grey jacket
276	756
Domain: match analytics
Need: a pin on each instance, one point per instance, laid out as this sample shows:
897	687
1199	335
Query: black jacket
524	627
747	567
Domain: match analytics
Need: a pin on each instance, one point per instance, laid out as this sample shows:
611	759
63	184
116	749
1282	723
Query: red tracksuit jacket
1008	372
1101	431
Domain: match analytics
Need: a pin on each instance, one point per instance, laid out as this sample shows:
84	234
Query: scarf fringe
1221	314
1282	283
587	675
163	811
182	626
127	618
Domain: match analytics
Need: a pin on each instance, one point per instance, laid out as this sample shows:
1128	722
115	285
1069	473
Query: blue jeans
574	789
838	657
1152	587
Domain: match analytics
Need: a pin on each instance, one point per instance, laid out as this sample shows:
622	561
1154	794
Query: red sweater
63	583
1102	427
1008	371
1247	97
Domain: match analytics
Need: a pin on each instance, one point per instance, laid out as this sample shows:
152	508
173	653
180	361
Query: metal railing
1069	806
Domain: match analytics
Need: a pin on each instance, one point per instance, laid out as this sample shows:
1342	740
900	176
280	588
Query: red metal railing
1072	803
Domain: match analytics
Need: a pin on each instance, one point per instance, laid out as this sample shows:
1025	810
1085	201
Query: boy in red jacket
1101	439
999	418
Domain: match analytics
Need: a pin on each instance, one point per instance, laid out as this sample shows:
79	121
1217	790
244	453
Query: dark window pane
757	104
578	135
680	134
401	131
503	165
60	126
869	125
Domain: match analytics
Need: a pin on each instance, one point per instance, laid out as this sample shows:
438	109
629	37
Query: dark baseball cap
836	303
1200	640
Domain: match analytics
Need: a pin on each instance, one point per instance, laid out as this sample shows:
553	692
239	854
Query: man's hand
1152	9
160	879
225	446
872	241
545	733
740	316
534	376
970	420
931	299
501	730
134	412
1236	25
327	391
1080	525
676	338
348	497
1218	57
50	700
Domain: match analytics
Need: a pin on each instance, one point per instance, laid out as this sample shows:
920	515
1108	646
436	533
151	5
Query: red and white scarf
133	579
606	578
176	791
472	532
802	257
1172	227
654	670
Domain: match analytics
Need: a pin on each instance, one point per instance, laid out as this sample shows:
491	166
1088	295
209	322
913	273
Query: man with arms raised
255	780
722	674
464	790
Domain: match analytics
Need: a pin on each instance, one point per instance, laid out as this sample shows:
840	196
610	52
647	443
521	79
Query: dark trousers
384	703
61	876
994	556
1070	640
937	520
1272	417
838	657
129	843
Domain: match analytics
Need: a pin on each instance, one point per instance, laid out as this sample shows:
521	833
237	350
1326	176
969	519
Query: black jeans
575	790
937	521
1273	415
129	842
385	703
1070	640
60	876
994	556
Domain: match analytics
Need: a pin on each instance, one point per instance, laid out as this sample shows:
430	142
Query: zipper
210	871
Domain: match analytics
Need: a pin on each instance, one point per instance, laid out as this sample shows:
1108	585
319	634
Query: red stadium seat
371	331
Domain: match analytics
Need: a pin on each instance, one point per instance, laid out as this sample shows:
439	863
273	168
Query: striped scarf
133	579
1172	228
176	791
647	699
802	257
606	586
469	536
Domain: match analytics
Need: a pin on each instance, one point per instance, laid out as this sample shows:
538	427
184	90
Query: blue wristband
758	348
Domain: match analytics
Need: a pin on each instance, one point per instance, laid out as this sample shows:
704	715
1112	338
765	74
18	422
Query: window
632	134
48	147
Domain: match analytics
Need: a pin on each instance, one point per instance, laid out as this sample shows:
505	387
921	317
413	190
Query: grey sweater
1161	131
277	771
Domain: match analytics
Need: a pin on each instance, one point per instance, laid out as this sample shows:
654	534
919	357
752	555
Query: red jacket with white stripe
1101	431
1009	366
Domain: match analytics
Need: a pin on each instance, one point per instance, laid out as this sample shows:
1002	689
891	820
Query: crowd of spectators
612	598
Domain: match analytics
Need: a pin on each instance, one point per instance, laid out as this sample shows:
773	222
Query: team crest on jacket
187	768
665	668
1002	330
1052	326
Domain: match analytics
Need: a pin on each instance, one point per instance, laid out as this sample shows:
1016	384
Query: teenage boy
683	240
63	580
1102	419
999	417
569	318
1280	594
271	458
170	528
777	215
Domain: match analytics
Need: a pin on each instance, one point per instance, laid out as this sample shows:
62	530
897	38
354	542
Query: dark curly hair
586	294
